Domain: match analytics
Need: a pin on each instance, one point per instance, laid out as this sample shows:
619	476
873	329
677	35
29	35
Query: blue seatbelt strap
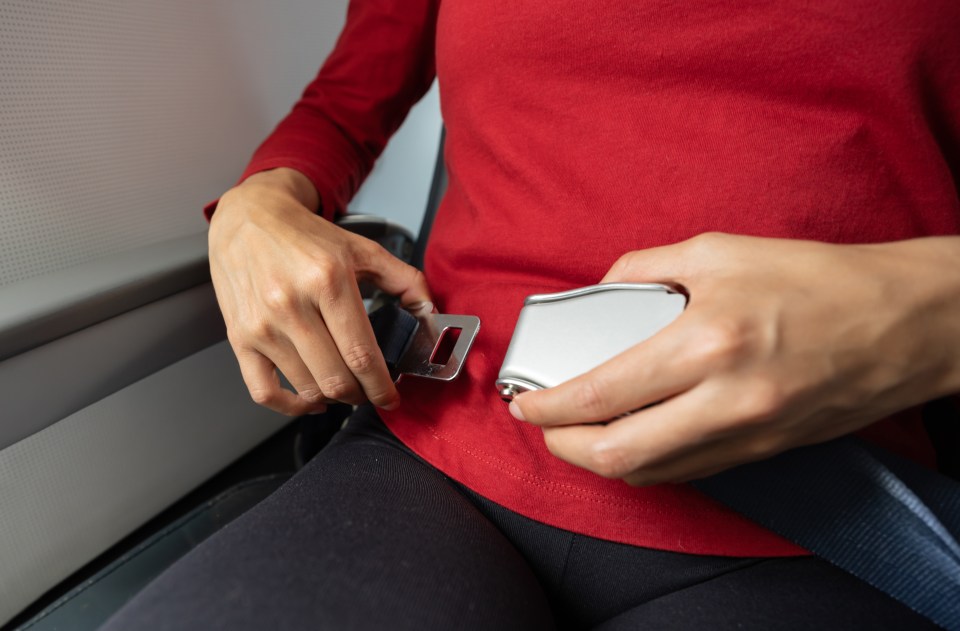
884	519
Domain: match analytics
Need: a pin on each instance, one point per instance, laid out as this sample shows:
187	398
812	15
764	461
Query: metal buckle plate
426	356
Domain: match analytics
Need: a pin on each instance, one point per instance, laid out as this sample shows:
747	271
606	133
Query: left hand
784	343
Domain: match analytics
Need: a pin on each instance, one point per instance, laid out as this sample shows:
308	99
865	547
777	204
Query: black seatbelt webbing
393	328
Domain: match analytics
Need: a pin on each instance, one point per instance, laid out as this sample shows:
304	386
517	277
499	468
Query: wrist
286	180
277	194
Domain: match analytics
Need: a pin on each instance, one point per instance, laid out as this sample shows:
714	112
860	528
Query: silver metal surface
416	360
563	335
508	392
590	290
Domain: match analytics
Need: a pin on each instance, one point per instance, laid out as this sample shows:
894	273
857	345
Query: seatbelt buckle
421	343
563	335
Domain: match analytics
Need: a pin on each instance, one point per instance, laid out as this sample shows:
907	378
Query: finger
647	373
322	361
642	440
702	465
708	459
420	309
664	264
682	263
260	376
391	274
748	443
346	319
289	362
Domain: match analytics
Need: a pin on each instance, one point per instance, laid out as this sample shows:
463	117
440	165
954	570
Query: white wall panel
120	118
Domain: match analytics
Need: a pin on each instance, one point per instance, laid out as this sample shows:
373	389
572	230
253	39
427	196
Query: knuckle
361	359
364	252
707	242
361	252
237	337
324	273
722	341
621	267
228	197
608	460
278	299
590	398
419	279
264	396
762	401
310	393
327	290
380	397
256	329
338	389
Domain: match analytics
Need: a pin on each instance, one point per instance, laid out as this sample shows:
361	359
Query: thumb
394	276
666	264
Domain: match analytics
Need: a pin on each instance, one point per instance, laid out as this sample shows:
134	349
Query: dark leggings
368	536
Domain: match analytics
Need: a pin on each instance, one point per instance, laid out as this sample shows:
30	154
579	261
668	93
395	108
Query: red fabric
577	133
382	64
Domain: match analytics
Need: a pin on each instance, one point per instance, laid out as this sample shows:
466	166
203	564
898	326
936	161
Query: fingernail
424	305
393	405
515	410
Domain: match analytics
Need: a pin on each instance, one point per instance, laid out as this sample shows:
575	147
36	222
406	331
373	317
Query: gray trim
114	321
438	188
74	489
87	606
43	385
38	310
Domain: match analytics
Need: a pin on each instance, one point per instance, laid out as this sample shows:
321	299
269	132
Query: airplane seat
120	396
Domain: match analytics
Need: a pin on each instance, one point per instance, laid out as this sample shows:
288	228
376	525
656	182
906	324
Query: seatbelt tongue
423	344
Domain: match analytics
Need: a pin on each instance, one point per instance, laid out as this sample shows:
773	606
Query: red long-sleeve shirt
581	131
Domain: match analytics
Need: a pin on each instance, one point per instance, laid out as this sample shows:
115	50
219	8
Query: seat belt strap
884	519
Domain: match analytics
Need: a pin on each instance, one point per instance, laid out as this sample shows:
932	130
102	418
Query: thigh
593	583
364	537
774	594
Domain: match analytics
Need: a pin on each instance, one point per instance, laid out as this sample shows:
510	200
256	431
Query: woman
609	141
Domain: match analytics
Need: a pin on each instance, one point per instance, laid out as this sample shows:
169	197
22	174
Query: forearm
383	63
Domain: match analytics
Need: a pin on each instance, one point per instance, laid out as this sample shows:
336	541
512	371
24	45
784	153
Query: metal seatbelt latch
560	336
423	344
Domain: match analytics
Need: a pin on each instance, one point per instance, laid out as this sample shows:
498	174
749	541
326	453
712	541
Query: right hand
286	281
